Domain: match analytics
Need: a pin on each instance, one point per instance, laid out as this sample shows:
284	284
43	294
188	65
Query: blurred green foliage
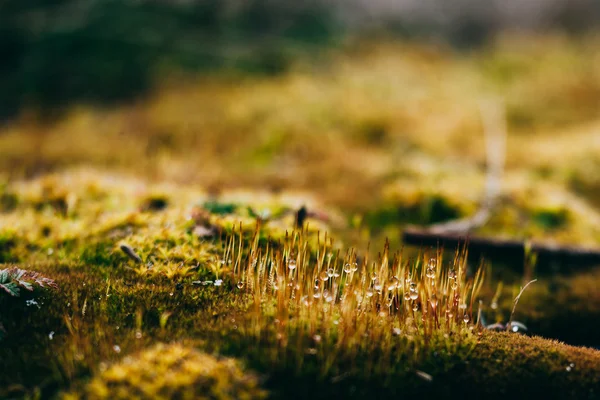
58	51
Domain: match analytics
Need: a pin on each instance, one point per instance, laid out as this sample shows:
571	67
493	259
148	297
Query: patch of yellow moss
168	371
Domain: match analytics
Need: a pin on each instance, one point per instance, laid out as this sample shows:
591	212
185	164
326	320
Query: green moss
551	218
425	209
503	361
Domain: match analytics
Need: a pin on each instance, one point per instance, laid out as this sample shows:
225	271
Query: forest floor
133	212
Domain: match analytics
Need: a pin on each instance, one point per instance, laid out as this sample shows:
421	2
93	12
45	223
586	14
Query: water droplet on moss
292	264
430	272
324	276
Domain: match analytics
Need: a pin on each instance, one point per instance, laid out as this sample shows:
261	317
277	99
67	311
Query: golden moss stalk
308	297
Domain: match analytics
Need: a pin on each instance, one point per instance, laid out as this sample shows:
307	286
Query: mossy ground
386	135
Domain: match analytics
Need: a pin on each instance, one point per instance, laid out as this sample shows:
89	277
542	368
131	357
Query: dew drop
430	272
51	335
117	348
414	295
138	334
369	292
396	331
32	302
466	318
317	295
317	338
494	305
292	264
347	268
324	276
452	274
454	285
218	282
416	307
240	284
407	296
330	272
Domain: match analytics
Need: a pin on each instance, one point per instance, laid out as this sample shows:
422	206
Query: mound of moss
173	371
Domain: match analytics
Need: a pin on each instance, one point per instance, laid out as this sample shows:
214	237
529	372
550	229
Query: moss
562	306
502	362
424	209
551	218
7	243
173	371
399	145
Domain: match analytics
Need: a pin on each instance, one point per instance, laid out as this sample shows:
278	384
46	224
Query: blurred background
374	106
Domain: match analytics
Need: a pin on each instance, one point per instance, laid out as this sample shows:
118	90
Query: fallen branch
507	250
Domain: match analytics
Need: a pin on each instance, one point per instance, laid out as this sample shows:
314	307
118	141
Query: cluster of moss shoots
310	299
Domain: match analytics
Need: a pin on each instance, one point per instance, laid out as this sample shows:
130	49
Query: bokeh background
373	106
